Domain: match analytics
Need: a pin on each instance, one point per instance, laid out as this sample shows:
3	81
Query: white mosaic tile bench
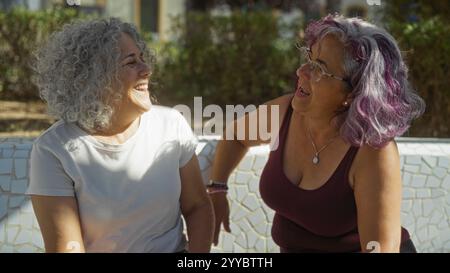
425	206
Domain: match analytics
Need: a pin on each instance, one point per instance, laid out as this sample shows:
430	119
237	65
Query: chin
298	106
142	107
141	101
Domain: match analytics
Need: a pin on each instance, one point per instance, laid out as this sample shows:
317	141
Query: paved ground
25	119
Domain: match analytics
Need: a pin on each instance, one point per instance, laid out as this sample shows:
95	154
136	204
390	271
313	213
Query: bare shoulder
266	119
370	155
375	163
282	101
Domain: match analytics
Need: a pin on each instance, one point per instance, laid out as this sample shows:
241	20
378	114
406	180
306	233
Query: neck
321	129
120	130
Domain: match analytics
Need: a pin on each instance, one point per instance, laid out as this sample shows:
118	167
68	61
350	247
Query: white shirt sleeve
47	175
188	140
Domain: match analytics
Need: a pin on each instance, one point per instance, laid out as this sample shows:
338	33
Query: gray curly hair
77	70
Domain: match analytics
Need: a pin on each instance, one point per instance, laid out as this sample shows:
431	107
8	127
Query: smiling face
134	76
322	98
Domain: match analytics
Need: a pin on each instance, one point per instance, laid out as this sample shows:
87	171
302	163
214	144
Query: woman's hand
221	212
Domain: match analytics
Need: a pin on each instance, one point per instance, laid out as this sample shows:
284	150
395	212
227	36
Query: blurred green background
244	55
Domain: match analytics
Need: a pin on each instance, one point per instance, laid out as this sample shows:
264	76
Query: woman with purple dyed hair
334	178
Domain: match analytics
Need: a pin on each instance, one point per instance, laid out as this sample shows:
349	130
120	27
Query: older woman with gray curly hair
115	173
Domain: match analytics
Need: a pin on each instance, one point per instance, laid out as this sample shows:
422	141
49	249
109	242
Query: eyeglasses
317	70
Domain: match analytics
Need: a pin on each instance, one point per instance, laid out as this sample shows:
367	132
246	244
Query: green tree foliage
244	58
21	31
423	31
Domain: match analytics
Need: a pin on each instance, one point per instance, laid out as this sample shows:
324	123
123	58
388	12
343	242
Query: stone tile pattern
19	230
425	205
426	195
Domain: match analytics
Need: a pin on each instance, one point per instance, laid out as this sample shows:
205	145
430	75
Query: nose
145	71
303	71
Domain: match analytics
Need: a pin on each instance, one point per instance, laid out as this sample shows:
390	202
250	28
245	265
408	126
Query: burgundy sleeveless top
320	220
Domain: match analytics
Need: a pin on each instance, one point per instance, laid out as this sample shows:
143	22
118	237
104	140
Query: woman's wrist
215	186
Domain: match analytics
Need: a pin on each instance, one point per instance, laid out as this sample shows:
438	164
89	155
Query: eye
315	66
318	68
132	62
142	57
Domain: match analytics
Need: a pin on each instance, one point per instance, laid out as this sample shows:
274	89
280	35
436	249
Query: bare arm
59	222
230	152
378	195
196	208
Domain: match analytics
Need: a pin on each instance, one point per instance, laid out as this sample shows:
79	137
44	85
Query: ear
348	100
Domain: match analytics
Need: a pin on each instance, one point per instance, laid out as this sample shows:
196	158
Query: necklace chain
315	159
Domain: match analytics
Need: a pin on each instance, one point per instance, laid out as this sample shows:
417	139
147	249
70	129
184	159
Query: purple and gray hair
384	103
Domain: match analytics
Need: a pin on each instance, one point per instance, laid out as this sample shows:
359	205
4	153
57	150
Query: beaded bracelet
217	185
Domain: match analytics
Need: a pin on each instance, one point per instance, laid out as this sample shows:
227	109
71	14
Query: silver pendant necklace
315	159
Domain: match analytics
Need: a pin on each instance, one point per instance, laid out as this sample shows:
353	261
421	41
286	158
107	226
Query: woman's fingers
222	214
217	230
226	222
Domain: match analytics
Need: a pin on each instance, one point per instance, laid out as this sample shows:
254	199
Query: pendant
315	160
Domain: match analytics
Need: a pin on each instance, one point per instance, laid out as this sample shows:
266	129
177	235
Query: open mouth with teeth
301	92
141	87
140	96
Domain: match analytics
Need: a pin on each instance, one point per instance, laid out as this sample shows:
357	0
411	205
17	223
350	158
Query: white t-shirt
128	195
